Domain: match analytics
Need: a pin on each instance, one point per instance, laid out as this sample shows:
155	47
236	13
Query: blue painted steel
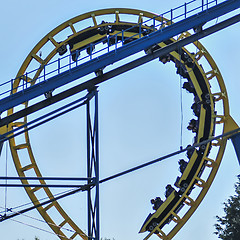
118	54
48	178
5	217
1	145
119	70
93	170
97	221
45	118
236	143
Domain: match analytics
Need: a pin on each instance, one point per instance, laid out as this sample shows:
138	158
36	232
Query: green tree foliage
107	239
228	226
36	238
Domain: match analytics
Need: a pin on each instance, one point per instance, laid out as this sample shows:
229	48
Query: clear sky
139	116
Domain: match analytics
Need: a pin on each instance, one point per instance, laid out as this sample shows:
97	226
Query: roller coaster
75	49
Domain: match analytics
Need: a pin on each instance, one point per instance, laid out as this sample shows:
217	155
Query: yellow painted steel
227	123
118	15
193	158
34	57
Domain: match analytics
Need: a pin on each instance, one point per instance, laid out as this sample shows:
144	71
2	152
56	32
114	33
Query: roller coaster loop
94	49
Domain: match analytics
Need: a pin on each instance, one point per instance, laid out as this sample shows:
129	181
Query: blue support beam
118	70
1	145
236	143
118	54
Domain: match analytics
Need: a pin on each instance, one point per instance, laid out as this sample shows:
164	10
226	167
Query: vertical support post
59	66
89	169
12	86
185	10
116	41
161	21
122	37
26	80
1	144
140	29
91	51
44	72
97	166
22	82
70	64
93	169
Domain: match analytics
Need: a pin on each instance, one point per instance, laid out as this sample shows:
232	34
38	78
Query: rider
157	202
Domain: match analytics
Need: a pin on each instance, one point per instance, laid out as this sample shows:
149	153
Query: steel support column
236	143
93	168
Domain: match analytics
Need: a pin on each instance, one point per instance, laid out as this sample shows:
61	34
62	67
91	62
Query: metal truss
93	168
106	59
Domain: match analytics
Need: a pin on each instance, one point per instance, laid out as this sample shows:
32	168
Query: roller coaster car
190	171
196	107
152	49
189	87
160	218
110	33
181	69
203	128
193	125
187	60
196	162
62	49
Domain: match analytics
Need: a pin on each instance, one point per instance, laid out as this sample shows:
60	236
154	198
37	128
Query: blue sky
139	121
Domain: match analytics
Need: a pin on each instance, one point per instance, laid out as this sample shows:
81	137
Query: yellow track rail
224	123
